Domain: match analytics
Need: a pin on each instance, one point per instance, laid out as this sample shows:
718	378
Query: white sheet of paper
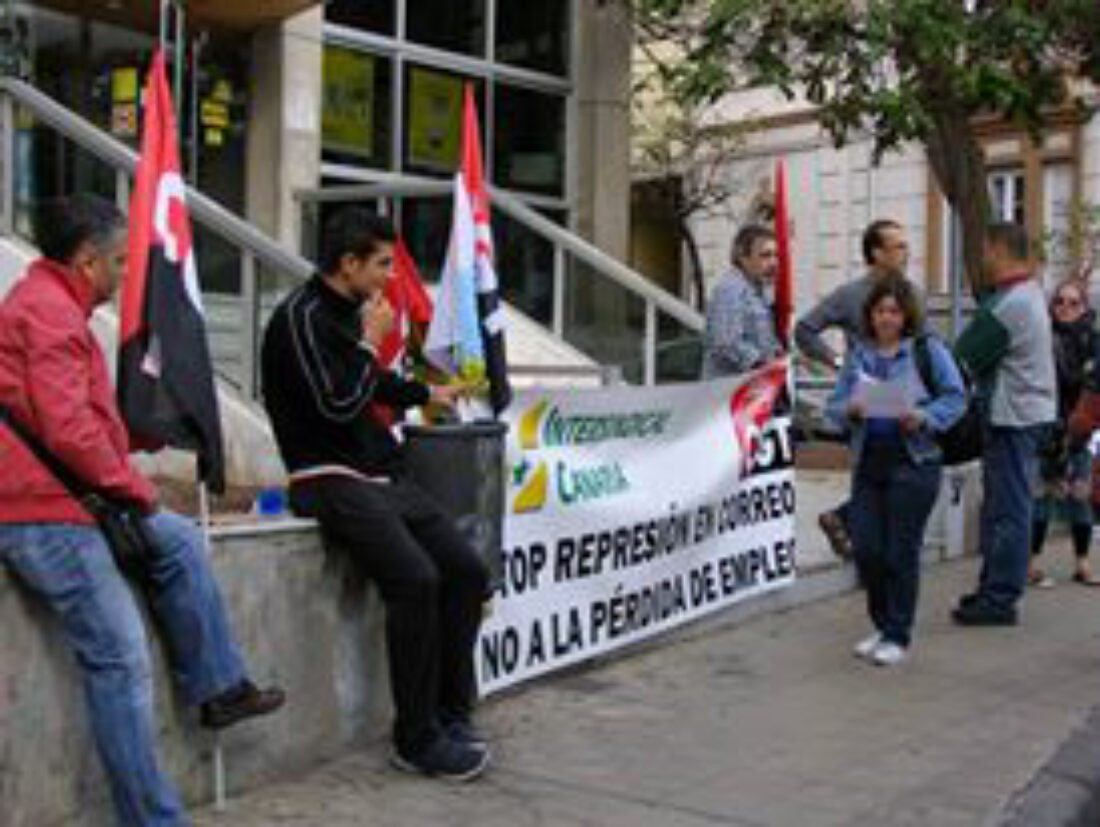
882	399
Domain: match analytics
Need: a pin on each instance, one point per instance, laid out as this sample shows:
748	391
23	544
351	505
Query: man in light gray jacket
740	331
886	252
1008	349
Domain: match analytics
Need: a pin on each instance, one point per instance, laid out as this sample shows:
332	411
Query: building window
355	113
1035	184
1060	247
370	15
1007	195
530	138
426	229
454	25
533	34
525	265
433	126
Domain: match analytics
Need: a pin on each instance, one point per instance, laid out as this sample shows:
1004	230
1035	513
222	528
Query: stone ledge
1066	790
301	620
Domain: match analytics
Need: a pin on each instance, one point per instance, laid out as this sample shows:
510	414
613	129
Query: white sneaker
888	654
866	647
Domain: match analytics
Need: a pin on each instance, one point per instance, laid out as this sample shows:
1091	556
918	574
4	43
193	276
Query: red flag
165	378
411	305
784	279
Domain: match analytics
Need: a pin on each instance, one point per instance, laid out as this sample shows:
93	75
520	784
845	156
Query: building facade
279	99
1048	188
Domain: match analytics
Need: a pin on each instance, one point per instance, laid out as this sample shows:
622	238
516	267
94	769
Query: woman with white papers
892	419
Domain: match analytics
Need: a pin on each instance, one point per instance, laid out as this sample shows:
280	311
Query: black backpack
962	442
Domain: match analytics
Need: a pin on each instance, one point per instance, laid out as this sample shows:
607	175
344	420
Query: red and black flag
165	378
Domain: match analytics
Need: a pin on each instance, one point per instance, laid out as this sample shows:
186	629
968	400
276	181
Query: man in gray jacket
885	251
1008	349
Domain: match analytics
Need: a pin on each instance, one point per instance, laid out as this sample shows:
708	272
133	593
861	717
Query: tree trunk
696	262
959	167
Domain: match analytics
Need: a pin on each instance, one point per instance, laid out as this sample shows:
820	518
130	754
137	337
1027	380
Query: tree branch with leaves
899	71
679	147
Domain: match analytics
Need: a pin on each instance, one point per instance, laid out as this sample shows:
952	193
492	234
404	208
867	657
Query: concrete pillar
603	55
1090	161
284	130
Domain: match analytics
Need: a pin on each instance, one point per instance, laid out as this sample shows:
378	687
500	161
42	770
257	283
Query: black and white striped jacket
320	385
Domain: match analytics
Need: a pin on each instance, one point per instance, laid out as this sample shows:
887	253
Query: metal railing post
557	317
7	158
650	344
250	324
122	191
611	375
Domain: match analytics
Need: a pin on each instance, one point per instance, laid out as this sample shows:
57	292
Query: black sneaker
969	599
445	759
979	613
245	700
462	731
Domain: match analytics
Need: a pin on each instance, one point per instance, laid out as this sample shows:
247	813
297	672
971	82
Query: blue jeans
71	568
1009	465
887	515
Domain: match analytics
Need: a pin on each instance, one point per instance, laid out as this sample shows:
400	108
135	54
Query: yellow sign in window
124	85
435	119
347	107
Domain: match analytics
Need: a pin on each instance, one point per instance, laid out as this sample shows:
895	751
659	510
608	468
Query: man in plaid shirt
740	331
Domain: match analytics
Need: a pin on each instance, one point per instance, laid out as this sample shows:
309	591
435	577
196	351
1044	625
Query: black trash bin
462	467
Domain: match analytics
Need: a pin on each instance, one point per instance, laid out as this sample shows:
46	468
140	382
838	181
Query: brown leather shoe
245	700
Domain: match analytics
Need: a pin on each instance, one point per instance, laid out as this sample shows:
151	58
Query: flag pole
784	289
162	38
219	758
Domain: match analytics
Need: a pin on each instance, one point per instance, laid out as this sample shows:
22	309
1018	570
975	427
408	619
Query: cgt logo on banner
632	511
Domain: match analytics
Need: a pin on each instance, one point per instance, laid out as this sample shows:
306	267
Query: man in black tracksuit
322	384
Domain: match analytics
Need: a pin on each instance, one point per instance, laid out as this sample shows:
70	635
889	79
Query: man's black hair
352	231
1010	237
873	238
65	223
745	241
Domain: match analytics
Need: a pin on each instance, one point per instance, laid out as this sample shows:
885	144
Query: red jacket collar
1011	281
73	283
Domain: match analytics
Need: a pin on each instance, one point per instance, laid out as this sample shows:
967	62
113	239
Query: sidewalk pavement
762	720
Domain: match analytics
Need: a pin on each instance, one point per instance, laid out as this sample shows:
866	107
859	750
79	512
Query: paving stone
765	722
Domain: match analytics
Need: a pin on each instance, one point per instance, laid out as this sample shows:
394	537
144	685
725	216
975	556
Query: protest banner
632	511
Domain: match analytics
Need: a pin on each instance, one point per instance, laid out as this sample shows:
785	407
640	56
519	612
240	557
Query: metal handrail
533	220
116	154
255	247
563	242
599	260
604	374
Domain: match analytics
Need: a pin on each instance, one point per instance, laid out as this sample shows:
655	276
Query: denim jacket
940	412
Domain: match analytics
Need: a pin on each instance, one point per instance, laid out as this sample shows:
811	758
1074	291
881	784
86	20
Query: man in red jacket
54	381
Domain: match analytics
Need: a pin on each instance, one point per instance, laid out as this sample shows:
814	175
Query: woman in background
1065	461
